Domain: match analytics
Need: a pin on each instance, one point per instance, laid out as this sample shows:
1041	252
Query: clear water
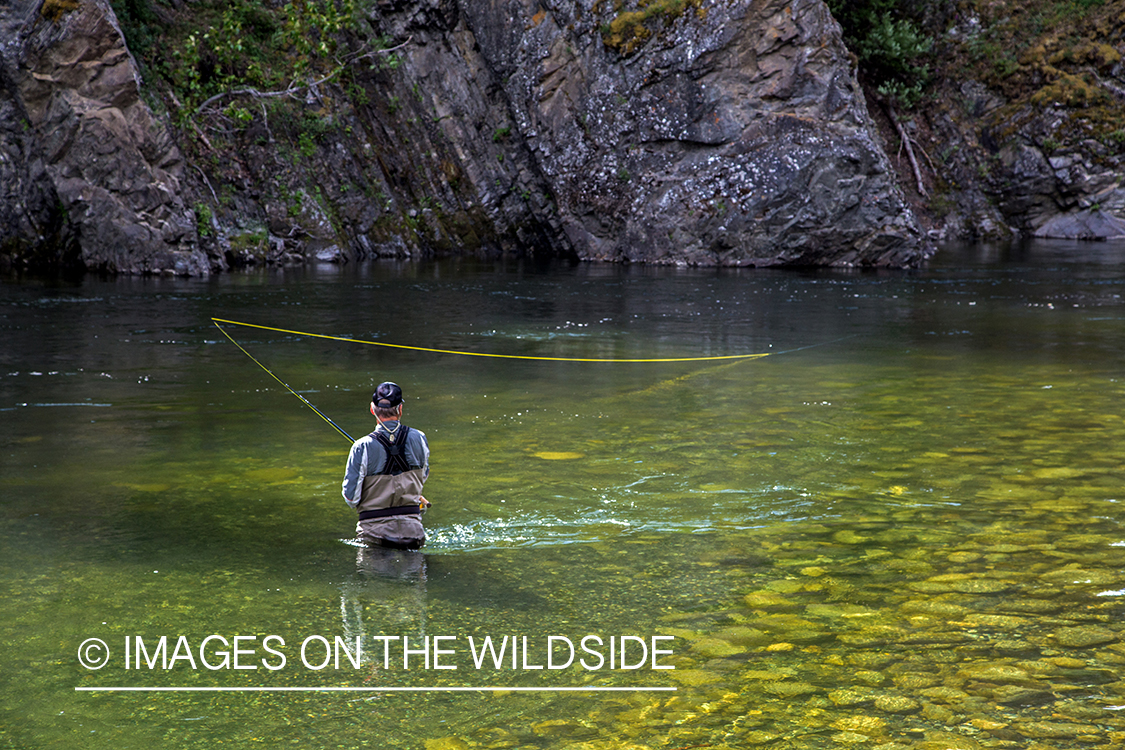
903	528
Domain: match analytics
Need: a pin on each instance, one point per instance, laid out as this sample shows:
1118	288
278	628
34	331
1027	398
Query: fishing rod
304	400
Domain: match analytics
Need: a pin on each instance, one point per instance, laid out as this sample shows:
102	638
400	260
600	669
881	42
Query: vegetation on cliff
890	46
629	29
212	47
914	58
346	129
1012	47
1016	109
264	98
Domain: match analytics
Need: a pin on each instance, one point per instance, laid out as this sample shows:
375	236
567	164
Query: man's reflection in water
387	596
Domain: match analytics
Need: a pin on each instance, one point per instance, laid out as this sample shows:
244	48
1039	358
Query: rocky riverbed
962	639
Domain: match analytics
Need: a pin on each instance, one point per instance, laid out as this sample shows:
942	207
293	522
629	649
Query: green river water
902	529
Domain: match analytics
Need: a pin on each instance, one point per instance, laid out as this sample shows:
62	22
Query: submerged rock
715	648
939	714
1084	636
916	680
993	672
1006	623
759	737
694	677
944	694
1055	730
741	635
947	741
766	600
788	690
447	743
897	704
860	724
980	586
1076	575
935	607
853	696
1014	695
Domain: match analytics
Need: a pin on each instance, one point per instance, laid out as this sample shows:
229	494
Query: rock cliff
88	170
731	133
1023	121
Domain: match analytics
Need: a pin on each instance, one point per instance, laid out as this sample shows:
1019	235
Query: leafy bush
229	45
203	217
891	48
307	145
138	24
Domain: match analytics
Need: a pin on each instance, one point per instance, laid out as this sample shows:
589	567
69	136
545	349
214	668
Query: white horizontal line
371	689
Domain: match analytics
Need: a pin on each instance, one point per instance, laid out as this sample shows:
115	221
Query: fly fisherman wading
385	474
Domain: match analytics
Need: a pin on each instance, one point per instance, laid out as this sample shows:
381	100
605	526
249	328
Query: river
900	528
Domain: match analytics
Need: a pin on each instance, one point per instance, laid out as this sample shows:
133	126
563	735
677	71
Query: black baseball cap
387	396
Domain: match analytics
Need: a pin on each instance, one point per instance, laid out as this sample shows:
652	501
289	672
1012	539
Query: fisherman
385	474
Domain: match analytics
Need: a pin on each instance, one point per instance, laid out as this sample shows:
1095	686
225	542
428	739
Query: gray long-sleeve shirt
368	457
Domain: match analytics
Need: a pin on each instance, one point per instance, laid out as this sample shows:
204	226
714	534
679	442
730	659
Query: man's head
386	402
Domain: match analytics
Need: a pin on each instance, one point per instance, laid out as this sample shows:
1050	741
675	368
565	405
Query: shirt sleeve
354	473
421	447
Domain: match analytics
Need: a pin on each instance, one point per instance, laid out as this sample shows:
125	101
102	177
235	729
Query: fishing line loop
217	321
305	401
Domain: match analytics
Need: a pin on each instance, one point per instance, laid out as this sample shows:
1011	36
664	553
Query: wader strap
398	510
395	446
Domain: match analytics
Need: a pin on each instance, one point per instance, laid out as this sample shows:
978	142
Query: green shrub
203	217
307	145
139	25
891	50
890	47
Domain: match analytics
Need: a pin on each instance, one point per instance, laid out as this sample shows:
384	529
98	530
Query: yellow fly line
217	321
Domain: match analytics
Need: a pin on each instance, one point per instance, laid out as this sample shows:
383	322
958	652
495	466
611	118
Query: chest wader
380	491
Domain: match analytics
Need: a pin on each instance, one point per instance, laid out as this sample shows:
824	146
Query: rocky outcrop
1030	141
1066	188
405	160
96	174
728	135
1046	183
734	134
30	215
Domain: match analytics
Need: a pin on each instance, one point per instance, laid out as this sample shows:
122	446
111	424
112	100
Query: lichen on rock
657	131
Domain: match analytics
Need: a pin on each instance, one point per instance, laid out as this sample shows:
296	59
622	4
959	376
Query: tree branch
906	140
250	91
